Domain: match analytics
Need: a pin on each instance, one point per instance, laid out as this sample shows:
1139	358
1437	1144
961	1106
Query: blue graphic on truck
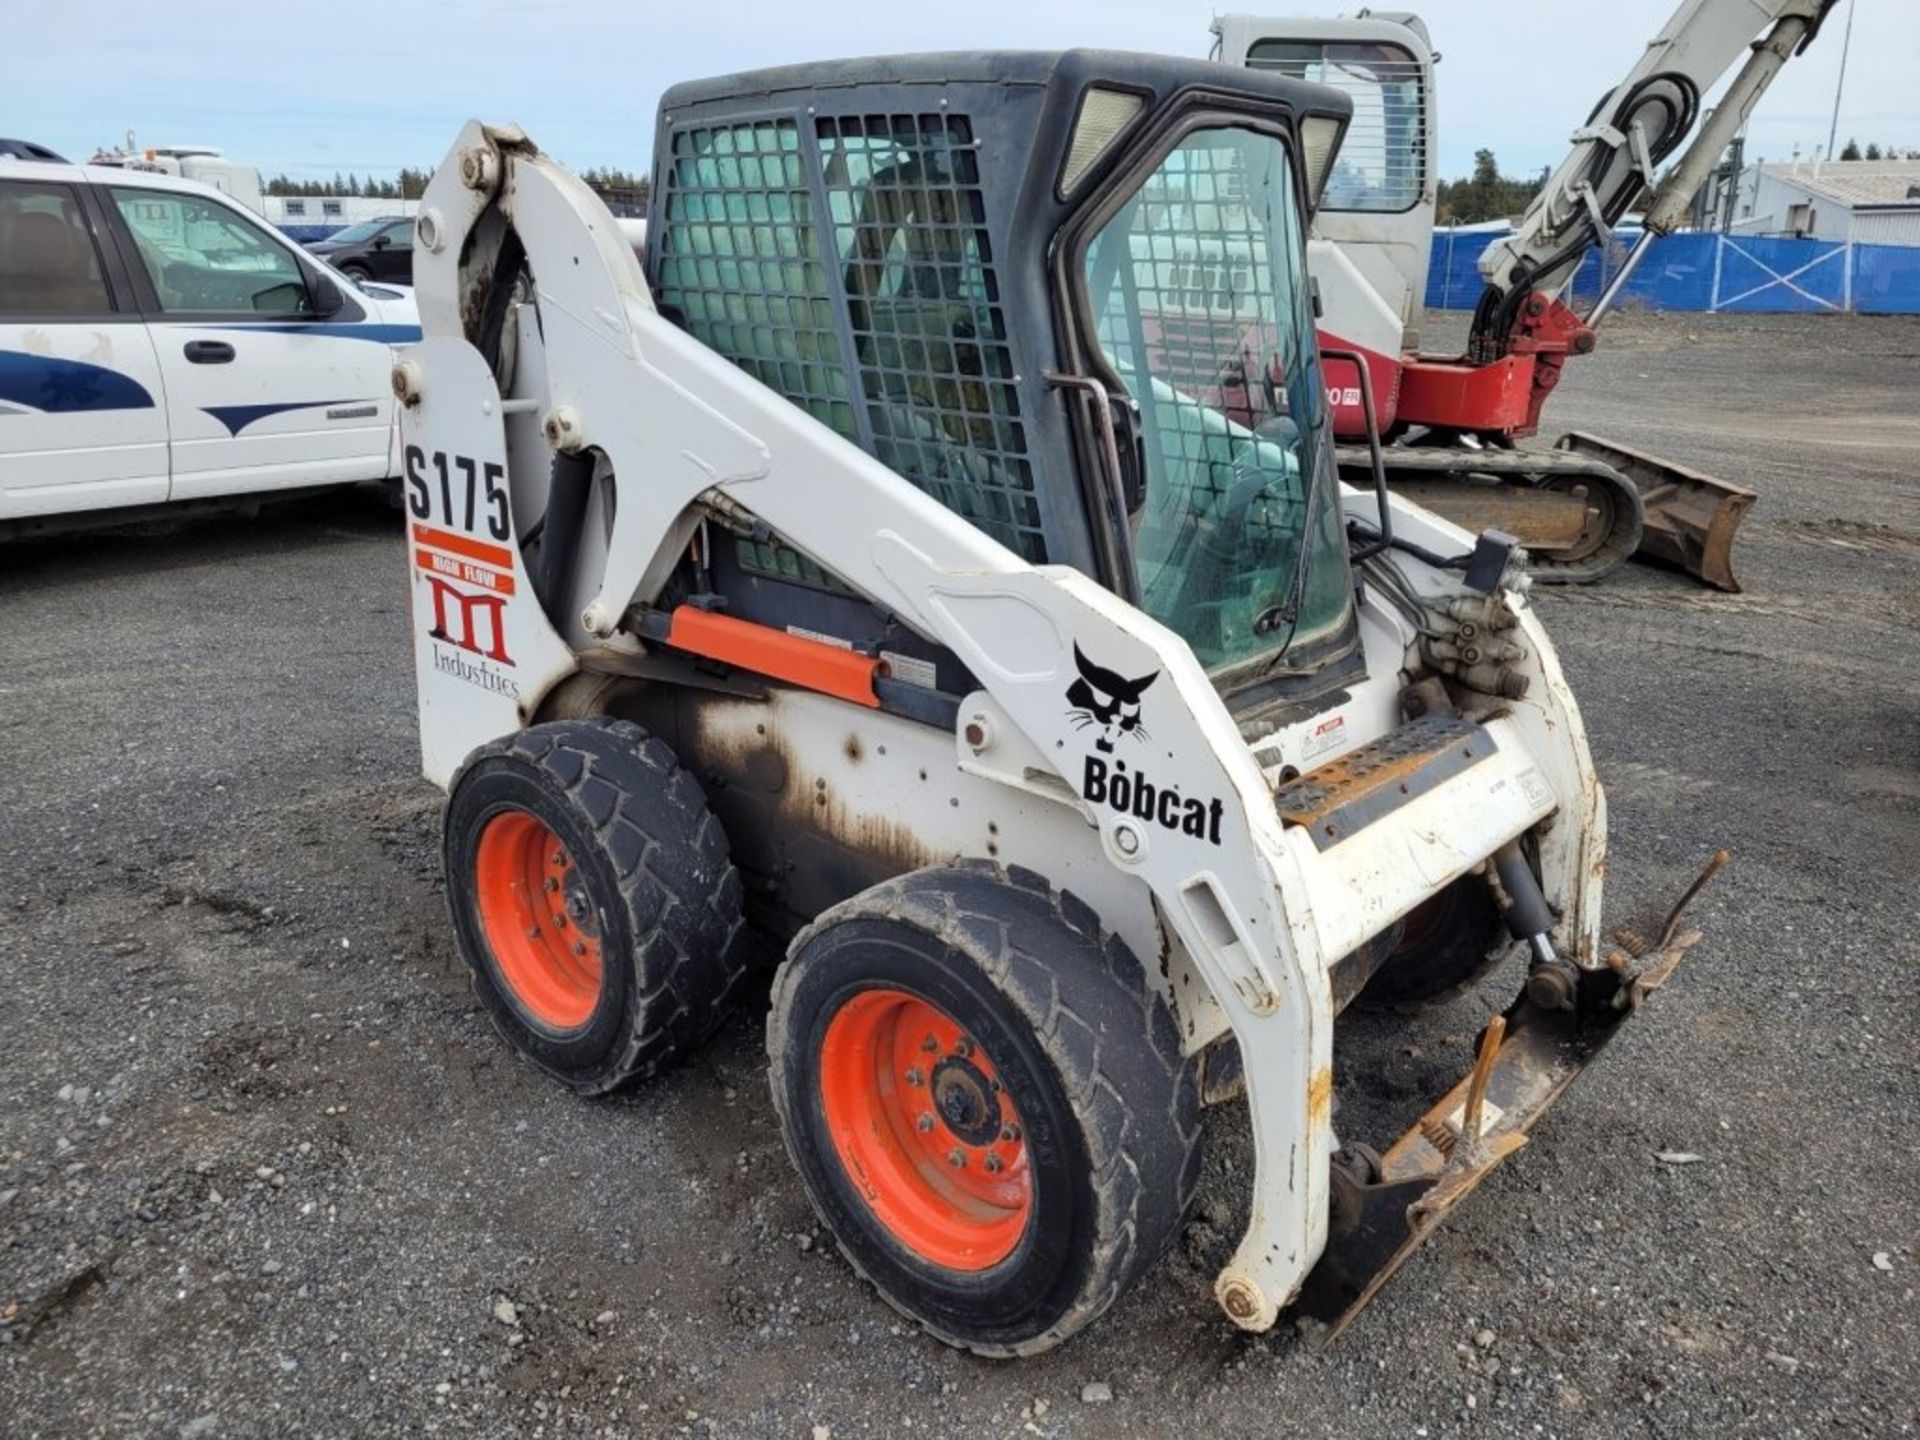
53	386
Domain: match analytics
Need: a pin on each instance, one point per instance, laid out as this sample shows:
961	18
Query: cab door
83	419
263	393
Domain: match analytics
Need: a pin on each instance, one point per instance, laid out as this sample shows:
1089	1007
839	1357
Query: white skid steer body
1178	844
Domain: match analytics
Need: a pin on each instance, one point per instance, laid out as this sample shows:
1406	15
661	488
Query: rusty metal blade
1691	517
1526	1059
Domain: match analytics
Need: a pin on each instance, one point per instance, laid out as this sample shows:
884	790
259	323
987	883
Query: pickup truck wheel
987	1103
594	900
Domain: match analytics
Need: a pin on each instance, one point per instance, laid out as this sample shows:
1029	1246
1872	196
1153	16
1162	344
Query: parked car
28	150
379	249
161	345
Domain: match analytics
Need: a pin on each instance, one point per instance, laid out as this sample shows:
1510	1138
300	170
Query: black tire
359	274
1060	1015
649	882
1451	941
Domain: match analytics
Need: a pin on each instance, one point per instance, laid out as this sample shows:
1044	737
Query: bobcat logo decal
1106	700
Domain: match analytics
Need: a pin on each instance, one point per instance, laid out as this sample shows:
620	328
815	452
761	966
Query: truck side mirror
327	296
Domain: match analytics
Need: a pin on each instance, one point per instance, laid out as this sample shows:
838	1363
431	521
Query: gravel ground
265	1169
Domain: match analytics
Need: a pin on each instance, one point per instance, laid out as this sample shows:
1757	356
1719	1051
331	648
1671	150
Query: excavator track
1578	517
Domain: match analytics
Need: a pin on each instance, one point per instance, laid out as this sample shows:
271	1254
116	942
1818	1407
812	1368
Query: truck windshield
1197	287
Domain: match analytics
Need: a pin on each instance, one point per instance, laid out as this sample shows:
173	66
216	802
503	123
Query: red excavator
1451	422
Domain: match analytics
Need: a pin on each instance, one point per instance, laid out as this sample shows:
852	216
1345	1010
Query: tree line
1486	194
411	184
1873	151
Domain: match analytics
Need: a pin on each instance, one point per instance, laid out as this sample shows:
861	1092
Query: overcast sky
355	86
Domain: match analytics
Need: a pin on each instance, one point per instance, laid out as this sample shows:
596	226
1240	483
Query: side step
1366	784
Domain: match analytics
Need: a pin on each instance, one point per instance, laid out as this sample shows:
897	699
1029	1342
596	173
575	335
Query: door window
49	265
206	259
399	235
1198	295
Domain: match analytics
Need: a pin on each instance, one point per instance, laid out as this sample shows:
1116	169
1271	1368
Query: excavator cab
1065	295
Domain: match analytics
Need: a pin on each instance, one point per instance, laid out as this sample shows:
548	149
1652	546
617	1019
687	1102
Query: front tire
1450	942
987	1103
594	900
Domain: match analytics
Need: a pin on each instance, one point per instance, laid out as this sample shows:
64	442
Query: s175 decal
467	491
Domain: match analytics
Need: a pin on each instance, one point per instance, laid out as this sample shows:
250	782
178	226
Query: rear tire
1003	1187
593	899
359	274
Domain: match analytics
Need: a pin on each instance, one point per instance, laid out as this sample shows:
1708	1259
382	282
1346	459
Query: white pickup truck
162	347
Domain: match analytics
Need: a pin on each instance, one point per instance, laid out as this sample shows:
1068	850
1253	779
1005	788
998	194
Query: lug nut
993	1164
579	947
551	884
560	858
923	1124
956	1159
1010	1133
915	1076
963	1047
931	1045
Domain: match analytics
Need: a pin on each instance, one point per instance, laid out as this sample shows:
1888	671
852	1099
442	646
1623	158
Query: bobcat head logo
1100	698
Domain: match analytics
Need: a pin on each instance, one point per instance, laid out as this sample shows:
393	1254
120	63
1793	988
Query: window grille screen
921	374
1382	163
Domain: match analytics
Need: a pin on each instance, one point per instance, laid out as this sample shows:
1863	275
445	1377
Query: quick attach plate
1337	801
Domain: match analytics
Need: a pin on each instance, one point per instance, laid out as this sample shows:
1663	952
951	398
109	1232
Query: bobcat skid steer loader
922	562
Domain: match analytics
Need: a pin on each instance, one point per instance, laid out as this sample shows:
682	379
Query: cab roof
1039	69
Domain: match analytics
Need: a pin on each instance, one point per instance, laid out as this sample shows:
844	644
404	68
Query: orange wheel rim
538	920
925	1130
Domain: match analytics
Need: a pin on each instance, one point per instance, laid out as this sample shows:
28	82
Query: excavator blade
1526	1059
1691	518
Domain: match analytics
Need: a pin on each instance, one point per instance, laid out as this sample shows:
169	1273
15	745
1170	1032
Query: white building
314	217
1865	202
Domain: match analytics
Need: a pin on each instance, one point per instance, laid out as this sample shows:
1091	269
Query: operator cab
1063	294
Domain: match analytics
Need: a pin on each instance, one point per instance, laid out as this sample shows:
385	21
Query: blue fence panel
1453	276
1886	279
1778	275
1748	273
1677	274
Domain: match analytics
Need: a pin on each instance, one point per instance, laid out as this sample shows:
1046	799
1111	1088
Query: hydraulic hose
1679	98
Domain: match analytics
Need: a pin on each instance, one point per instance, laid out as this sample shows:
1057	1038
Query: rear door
262	394
392	254
83	419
